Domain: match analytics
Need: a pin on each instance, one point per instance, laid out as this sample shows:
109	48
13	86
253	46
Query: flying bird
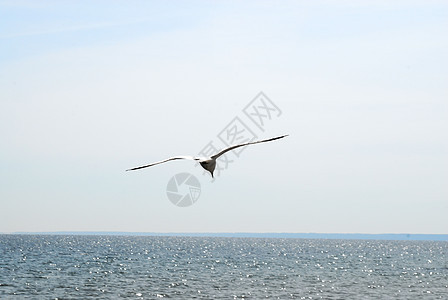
208	163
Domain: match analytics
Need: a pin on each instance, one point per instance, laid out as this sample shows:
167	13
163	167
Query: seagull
208	163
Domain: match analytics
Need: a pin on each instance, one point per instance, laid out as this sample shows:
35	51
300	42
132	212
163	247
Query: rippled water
108	267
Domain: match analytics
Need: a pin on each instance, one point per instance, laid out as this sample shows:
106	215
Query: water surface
142	267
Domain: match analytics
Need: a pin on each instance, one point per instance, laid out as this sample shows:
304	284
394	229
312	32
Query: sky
92	88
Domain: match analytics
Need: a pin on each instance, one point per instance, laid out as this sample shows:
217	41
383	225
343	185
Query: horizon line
309	235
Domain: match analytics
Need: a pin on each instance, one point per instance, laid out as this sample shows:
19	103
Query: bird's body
208	163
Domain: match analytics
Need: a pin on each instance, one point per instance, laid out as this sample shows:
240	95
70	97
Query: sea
153	267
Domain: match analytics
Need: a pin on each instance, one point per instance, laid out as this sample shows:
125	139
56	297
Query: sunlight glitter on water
104	267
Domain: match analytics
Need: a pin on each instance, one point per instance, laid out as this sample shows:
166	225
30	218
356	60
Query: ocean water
142	267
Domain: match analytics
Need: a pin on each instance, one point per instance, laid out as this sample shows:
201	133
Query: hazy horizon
284	235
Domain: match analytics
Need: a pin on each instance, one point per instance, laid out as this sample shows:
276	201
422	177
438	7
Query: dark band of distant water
142	267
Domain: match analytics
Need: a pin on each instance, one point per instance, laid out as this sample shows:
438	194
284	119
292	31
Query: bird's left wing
162	161
245	144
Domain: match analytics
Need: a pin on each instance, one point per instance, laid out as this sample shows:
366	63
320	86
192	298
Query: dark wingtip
280	137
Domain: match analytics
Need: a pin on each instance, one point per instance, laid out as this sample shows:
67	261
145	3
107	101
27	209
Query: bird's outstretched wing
161	162
245	144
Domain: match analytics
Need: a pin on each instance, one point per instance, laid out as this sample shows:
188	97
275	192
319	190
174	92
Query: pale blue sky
91	88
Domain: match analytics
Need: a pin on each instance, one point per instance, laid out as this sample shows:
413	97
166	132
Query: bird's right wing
163	161
245	144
